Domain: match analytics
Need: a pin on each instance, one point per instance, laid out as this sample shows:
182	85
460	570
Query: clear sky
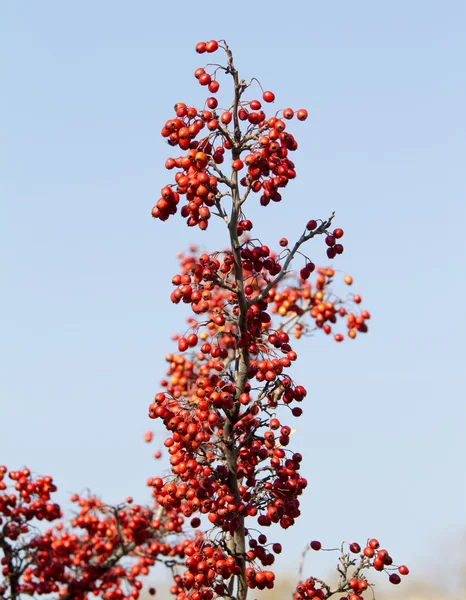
85	310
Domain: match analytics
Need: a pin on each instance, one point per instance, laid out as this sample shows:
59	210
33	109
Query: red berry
237	165
394	578
245	398
183	344
302	114
268	96
354	584
205	79
226	117
192	339
304	273
403	569
201	47
387	560
378	564
315	545
355	548
212	46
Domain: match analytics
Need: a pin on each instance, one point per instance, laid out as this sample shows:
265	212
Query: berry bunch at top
251	143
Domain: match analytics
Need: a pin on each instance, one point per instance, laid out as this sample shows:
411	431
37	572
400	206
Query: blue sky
85	310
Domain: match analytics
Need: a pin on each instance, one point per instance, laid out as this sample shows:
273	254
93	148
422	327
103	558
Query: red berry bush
228	402
101	551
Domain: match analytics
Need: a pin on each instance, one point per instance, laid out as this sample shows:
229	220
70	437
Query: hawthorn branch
221	177
221	212
226	133
253	136
240	86
246	193
225	285
284	271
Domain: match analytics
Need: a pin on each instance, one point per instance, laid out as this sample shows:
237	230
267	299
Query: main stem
236	539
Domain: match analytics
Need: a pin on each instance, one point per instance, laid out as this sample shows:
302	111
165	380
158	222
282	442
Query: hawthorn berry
237	165
403	569
212	46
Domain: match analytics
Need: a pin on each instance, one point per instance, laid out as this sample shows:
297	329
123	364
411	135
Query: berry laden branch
228	449
102	550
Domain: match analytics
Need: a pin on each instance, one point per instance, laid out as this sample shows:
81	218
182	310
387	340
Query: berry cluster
196	283
352	581
265	146
201	485
260	579
309	589
200	393
85	558
192	181
208	567
319	302
32	501
269	167
334	247
382	560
